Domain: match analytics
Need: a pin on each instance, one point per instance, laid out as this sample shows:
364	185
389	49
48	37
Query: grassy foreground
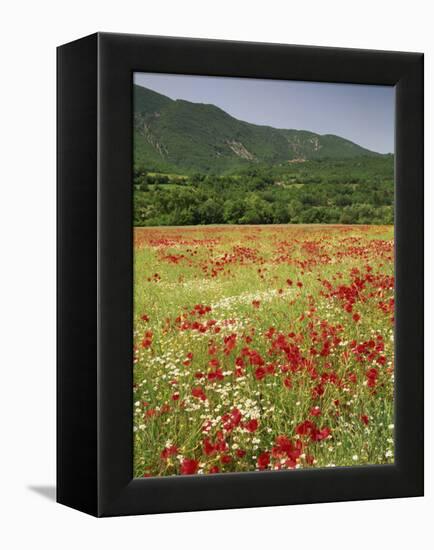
262	347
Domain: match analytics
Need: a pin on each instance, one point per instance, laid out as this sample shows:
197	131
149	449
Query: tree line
322	193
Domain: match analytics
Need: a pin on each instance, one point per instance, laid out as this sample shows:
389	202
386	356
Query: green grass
238	272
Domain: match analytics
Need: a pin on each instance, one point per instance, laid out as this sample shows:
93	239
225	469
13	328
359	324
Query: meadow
262	347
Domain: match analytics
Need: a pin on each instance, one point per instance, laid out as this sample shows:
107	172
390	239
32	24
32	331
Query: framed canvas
240	274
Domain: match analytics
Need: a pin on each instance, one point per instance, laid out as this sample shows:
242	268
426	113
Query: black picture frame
95	283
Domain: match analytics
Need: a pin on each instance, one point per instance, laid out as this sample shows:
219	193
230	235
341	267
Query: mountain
180	136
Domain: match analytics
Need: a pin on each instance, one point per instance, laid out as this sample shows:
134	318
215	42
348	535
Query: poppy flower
365	419
287	383
283	445
305	428
208	447
212	350
169	451
216	374
252	425
256	359
198	392
263	460
146	342
315	411
260	373
235	416
319	435
229	342
189	466
318	391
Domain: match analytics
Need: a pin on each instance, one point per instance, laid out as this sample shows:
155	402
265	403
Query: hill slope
183	136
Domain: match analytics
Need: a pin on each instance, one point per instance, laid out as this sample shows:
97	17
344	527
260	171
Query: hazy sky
363	114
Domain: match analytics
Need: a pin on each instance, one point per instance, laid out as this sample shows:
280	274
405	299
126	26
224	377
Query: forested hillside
180	136
347	191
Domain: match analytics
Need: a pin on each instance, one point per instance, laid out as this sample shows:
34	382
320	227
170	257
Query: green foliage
356	191
195	164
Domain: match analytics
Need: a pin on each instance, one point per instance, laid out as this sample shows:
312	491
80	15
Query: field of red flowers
262	348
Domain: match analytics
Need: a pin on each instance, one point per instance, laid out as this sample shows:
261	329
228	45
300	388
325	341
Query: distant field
262	347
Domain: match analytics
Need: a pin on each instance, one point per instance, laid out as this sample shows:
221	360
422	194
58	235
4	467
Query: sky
361	113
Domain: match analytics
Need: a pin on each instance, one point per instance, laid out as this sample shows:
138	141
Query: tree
210	212
257	211
233	211
281	214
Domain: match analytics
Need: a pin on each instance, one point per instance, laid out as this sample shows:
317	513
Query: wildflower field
262	347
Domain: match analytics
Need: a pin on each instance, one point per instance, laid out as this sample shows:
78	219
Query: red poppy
270	369
169	451
212	350
216	374
146	342
252	425
263	460
287	383
305	428
315	411
318	391
198	392
319	435
189	466
284	446
372	376
356	317
235	416
260	373
208	447
255	358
